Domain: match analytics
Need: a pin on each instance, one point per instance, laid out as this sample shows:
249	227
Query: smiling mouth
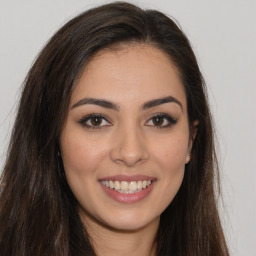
127	187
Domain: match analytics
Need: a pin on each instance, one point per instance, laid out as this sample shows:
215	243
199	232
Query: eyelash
171	121
87	118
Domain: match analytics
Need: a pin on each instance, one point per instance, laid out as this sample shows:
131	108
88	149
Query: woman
112	150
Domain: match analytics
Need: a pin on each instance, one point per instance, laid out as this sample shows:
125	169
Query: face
126	138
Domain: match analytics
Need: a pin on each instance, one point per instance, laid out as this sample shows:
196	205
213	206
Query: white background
223	35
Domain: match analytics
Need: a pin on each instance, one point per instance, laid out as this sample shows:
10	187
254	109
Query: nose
129	148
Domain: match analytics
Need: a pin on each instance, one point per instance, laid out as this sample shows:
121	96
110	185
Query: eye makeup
161	121
94	121
99	121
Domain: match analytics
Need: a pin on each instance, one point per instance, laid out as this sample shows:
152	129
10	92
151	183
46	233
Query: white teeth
111	184
133	186
139	184
124	186
117	185
127	187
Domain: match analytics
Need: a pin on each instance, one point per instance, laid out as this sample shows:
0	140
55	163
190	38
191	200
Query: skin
127	142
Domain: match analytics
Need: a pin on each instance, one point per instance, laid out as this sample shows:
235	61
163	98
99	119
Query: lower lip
127	198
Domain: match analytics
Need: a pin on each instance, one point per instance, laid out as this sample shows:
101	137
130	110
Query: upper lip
128	178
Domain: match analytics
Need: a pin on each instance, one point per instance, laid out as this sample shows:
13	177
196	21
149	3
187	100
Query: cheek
171	152
170	156
81	158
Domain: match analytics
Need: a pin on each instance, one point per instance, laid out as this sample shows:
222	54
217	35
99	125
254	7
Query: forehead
133	73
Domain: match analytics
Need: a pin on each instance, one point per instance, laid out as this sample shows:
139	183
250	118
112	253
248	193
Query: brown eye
161	120
158	120
96	120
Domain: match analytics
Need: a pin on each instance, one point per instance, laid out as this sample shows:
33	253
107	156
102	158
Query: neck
107	241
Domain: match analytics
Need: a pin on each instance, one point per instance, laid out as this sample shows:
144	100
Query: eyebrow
157	102
99	102
110	105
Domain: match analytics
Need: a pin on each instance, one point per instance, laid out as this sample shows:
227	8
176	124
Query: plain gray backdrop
223	36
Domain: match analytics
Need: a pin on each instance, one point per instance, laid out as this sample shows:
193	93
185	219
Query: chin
128	221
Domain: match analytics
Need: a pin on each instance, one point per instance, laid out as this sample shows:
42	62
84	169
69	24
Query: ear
193	132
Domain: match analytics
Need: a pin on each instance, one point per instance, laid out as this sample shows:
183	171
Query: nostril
129	148
128	161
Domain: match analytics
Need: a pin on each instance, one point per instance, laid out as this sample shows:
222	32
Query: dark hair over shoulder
38	212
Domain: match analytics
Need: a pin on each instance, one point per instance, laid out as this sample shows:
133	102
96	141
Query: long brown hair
38	212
